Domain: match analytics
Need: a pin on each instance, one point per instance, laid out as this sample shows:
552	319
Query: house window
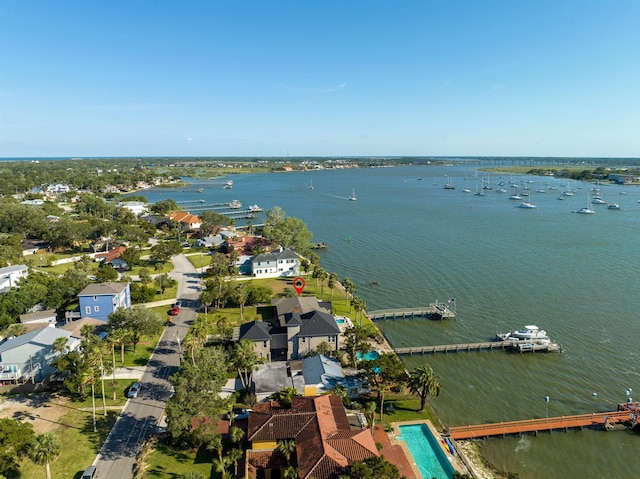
303	339
87	310
96	308
95	298
264	345
332	339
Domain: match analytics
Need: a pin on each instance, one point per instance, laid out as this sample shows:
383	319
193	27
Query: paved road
140	415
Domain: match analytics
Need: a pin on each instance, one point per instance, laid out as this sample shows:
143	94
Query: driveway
140	415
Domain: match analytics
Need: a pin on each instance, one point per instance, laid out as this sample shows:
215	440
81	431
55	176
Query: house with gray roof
29	356
257	332
47	316
298	332
282	263
322	374
99	300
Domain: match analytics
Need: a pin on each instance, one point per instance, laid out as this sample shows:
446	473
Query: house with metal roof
99	300
29	356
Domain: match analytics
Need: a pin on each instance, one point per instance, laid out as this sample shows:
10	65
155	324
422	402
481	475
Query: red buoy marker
298	285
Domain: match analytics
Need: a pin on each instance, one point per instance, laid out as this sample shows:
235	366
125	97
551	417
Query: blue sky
318	78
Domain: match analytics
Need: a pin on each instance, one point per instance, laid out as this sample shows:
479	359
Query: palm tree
241	295
221	465
287	447
359	305
244	358
44	450
370	413
291	472
234	455
425	384
349	288
331	282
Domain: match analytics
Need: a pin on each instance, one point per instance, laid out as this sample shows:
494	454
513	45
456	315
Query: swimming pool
370	356
426	451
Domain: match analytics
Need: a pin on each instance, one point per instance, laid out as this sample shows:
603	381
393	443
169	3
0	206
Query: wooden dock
603	420
453	348
434	310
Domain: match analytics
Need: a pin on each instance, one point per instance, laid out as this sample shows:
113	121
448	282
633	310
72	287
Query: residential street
140	415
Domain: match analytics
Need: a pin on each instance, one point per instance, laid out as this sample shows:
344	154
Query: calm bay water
576	276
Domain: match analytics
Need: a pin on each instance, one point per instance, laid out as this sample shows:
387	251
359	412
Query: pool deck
393	452
400	448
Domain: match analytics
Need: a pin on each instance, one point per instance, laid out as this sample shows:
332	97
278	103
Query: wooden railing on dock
603	419
452	348
438	310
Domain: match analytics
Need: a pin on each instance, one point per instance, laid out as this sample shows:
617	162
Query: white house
283	262
136	207
58	188
47	316
11	275
36	202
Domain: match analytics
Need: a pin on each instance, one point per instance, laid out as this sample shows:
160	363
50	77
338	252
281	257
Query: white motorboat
586	211
528	333
613	206
527	205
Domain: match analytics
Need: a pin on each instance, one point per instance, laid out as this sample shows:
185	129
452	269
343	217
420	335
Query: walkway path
393	453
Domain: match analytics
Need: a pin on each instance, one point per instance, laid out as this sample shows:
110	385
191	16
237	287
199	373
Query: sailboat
466	189
311	185
586	210
449	186
353	195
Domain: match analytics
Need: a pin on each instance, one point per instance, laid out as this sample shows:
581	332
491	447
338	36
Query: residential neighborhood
114	294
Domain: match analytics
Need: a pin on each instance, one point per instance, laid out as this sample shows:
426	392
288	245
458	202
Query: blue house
99	300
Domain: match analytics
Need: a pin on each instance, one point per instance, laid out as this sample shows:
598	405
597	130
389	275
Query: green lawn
166	463
406	408
120	387
80	445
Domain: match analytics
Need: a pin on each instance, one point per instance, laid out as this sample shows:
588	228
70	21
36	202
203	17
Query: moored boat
528	333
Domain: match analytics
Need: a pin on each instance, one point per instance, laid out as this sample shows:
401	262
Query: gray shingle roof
318	323
98	289
255	331
286	253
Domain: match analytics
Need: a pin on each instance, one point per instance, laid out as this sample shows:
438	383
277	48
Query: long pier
435	310
521	347
605	420
453	348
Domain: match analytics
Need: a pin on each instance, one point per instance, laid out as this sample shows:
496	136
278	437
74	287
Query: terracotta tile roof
184	217
325	444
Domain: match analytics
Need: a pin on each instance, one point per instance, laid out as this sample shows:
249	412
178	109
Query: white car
134	390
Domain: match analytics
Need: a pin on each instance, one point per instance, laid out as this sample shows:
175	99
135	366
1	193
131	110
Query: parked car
174	311
89	472
134	390
238	414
